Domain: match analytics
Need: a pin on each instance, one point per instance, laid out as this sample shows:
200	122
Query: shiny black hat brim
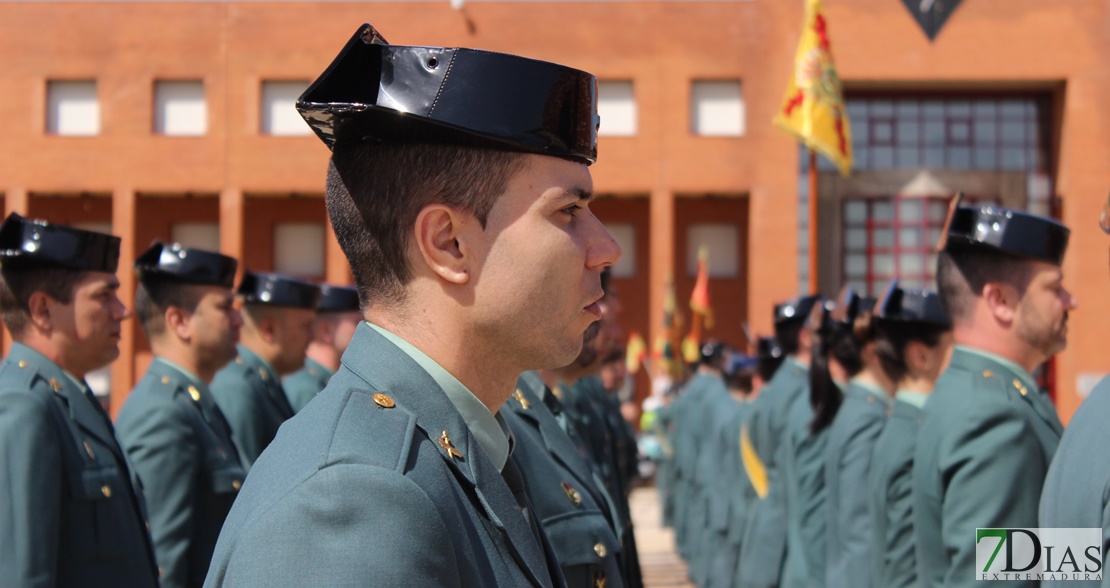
27	243
402	94
911	306
173	263
278	290
1011	232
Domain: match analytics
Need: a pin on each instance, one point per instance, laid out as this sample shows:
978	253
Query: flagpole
812	221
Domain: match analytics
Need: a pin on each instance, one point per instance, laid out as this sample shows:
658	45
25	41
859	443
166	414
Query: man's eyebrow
577	194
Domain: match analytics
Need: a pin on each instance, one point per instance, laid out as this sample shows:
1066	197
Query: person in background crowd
698	445
1077	488
73	511
913	342
770	357
989	433
337	316
731	491
477	258
278	313
764	549
170	426
857	418
835	360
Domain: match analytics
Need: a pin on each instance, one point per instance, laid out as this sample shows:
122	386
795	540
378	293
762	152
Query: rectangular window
180	109
723	244
279	109
299	249
72	108
717	108
616	105
625	236
198	235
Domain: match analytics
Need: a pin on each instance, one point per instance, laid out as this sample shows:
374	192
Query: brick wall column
124	202
232	225
661	255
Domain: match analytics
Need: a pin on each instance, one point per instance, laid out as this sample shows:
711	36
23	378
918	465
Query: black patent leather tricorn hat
278	290
1012	232
337	299
374	91
172	262
28	243
902	305
768	348
795	310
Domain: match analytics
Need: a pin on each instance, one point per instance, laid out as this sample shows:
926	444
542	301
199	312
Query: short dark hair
962	274
18	285
152	300
787	335
375	191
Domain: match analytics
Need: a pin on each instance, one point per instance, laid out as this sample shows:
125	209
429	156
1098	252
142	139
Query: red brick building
172	120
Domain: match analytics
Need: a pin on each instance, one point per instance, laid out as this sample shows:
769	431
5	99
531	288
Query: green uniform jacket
1077	489
728	496
360	489
251	397
982	453
804	469
571	507
706	453
685	454
665	469
73	511
304	384
764	548
893	555
181	447
852	437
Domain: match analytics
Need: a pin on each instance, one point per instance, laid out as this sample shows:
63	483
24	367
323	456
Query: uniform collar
912	398
189	375
793	359
871	389
250	356
490	430
1020	372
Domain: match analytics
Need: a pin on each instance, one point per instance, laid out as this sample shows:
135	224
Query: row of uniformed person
140	502
893	432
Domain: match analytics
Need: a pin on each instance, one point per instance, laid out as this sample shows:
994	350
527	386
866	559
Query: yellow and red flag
699	299
635	353
813	109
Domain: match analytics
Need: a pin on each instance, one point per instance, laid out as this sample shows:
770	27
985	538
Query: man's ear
177	322
1002	301
268	327
438	231
39	306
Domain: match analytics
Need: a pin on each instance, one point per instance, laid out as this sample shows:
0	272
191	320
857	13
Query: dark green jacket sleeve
994	469
30	459
161	447
849	546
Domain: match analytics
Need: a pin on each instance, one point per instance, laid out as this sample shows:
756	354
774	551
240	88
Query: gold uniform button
148	526
384	401
262	374
106	491
22	363
194	393
987	373
161	572
600	550
88	450
165	379
236	484
1020	387
239	360
312	371
572	494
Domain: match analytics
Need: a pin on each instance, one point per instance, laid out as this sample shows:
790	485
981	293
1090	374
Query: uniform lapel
388	369
270	382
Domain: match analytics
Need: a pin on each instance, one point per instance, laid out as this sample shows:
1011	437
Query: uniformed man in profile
337	316
989	433
1077	488
278	313
71	510
458	188
173	432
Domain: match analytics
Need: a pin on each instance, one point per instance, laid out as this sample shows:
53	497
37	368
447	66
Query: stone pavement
661	565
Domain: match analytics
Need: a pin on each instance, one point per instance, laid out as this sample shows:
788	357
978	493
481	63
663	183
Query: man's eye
572	209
